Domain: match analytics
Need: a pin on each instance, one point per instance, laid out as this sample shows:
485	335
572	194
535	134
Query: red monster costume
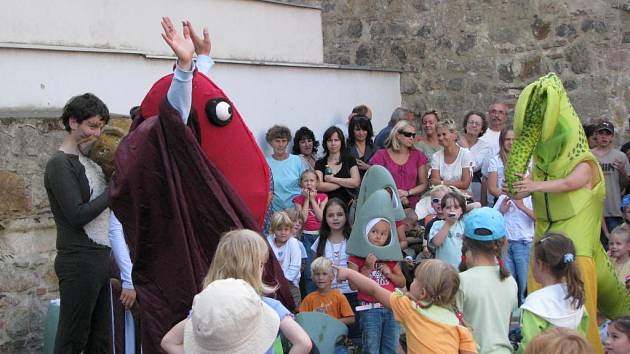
175	197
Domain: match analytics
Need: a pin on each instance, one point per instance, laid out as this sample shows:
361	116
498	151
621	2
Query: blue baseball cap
484	224
625	202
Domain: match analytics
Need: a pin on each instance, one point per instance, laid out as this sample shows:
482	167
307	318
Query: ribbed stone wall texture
461	55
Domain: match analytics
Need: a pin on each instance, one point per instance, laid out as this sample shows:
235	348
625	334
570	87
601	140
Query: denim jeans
308	241
380	331
517	262
612	222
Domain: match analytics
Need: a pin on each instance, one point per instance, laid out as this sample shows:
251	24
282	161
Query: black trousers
84	313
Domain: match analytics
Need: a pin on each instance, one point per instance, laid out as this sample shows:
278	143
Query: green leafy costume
548	129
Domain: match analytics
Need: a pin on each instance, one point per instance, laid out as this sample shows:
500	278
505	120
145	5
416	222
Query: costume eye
219	111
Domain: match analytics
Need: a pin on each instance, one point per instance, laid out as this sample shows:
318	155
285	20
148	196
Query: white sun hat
228	316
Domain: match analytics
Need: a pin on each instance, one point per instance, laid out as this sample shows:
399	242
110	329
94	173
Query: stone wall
461	55
27	230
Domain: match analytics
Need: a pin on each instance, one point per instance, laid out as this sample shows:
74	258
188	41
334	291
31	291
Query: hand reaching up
183	47
202	45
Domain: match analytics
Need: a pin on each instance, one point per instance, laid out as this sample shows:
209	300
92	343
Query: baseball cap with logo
606	125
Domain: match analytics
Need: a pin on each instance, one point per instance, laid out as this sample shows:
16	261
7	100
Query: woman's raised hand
183	47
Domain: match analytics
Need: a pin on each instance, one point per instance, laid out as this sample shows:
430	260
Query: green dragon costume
547	127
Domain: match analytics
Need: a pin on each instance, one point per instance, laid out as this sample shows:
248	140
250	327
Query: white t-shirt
518	225
290	258
453	171
480	151
492	138
495	164
336	252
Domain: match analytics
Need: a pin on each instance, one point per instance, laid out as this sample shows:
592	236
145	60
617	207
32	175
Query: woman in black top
360	143
77	193
337	170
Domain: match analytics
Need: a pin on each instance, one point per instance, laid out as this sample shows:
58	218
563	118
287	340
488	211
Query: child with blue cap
488	312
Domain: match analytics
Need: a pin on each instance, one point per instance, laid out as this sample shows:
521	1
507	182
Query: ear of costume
547	128
376	178
105	147
377	205
225	139
175	203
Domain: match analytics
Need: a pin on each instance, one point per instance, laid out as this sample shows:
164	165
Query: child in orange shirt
427	311
326	299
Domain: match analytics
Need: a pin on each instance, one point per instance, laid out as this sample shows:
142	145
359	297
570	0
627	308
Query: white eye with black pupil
219	111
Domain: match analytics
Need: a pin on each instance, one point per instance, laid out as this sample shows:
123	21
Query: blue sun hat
625	202
484	224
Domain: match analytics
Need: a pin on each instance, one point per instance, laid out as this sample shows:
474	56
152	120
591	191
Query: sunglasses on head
408	134
436	200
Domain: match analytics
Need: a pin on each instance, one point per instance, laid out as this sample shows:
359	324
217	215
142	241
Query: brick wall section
462	55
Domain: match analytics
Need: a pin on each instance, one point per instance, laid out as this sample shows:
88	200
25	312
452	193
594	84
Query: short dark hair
484	121
83	107
304	133
362	122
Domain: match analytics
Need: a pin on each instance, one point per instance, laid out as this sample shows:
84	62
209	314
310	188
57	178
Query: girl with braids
488	312
427	312
560	303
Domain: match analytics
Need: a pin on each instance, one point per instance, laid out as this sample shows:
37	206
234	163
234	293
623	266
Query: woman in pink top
406	164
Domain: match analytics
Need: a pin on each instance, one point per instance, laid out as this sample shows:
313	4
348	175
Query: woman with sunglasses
407	165
360	144
453	164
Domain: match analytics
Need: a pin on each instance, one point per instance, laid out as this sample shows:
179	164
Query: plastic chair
325	331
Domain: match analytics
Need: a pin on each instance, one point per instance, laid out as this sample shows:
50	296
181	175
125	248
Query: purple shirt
405	176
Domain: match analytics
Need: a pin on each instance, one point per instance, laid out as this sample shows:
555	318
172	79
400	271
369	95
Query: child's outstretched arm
173	340
364	284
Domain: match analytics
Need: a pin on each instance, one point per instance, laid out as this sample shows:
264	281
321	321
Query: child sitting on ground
427	312
380	331
326	299
560	302
287	251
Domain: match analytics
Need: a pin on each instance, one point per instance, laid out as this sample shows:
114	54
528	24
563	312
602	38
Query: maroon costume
174	204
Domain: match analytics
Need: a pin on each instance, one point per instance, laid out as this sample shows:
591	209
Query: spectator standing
616	168
337	171
452	165
475	125
360	144
285	168
429	144
305	146
498	117
406	164
399	114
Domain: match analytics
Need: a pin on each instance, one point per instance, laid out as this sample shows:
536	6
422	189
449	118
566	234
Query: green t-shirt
487	303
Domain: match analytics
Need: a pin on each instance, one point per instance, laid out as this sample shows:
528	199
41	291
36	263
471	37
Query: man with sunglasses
616	168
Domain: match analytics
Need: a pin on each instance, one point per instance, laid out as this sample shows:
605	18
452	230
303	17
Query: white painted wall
240	29
264	94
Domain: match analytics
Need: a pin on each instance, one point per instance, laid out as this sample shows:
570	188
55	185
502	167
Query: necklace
336	252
